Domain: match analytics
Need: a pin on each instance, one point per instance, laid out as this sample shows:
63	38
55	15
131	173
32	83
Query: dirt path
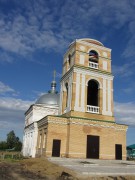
42	169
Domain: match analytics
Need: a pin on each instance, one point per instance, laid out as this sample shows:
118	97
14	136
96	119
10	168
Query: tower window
66	85
92	97
93	59
69	61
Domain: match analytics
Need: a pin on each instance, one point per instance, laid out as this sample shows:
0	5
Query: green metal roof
131	146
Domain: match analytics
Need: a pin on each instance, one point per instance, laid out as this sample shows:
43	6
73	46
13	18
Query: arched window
69	61
66	85
92	93
93	59
92	97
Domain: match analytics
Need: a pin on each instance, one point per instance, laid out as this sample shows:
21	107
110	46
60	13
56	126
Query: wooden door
92	147
56	148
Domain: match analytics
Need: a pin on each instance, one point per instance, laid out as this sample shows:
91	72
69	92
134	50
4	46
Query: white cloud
125	113
124	70
12	115
44	25
5	88
14	104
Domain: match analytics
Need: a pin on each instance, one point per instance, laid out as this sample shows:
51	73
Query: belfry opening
92	93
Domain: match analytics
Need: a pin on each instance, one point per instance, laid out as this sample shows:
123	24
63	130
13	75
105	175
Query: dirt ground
42	169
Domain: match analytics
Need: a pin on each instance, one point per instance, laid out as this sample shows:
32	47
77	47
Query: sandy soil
42	169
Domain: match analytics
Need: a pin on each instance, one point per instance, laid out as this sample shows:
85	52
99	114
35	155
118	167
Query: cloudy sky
34	35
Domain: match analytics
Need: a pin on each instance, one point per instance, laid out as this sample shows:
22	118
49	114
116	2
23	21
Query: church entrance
56	148
118	151
92	147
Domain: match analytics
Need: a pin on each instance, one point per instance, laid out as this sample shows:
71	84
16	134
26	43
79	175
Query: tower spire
53	83
54	75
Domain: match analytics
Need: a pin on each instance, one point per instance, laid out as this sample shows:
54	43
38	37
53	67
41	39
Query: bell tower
87	81
85	123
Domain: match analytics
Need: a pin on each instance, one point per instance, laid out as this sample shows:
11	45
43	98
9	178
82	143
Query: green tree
13	141
3	145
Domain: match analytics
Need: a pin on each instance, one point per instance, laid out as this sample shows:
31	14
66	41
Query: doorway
92	147
118	151
56	148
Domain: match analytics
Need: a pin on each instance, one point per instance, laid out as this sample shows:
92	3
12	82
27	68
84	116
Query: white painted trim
94	49
83	93
61	99
109	97
88	124
71	80
104	97
92	73
90	39
79	109
77	95
93	78
82	59
94	45
107	113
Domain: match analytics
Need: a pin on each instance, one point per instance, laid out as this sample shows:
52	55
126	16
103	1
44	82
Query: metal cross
54	75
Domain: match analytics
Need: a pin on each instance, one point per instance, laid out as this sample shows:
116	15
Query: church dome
93	41
51	98
88	40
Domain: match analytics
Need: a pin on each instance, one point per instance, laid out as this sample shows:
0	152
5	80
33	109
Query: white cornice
94	45
100	125
93	73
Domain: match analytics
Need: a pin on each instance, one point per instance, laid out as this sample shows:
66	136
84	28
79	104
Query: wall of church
82	55
30	140
38	112
41	141
41	111
108	137
58	132
72	134
78	77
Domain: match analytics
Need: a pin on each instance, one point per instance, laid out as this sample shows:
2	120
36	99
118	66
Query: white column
77	94
83	93
109	98
104	97
35	136
69	93
61	95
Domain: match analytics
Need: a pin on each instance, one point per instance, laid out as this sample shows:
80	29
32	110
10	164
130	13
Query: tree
13	141
3	145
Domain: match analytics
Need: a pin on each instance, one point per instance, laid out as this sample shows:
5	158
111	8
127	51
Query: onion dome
51	98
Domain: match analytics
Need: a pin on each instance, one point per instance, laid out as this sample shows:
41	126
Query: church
79	122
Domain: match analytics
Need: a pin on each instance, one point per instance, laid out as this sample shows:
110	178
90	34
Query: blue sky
35	34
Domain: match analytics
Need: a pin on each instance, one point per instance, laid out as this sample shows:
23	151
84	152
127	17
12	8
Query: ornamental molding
89	123
118	127
58	122
94	74
42	122
94	45
93	78
67	75
95	49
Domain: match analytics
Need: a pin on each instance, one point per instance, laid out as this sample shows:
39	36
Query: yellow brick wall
73	137
57	131
108	138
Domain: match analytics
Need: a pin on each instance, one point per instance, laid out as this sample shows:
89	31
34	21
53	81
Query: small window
69	61
93	56
66	85
93	59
